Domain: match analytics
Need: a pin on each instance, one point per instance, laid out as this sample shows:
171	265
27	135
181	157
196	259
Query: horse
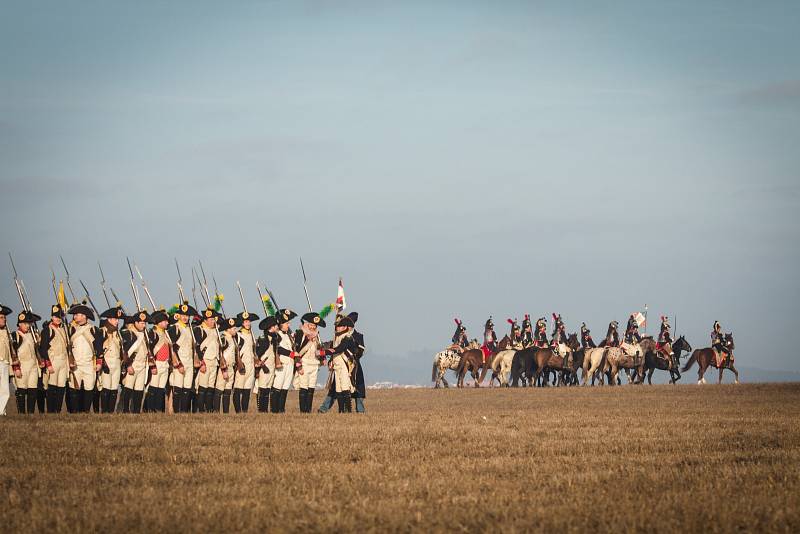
707	357
501	366
442	361
653	361
594	363
536	360
473	359
628	356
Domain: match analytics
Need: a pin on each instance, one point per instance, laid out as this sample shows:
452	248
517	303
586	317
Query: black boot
245	400
136	401
194	399
52	396
96	400
301	399
87	398
59	400
126	400
73	400
216	398
309	400
31	396
111	401
284	394
200	400
186	400
226	401
161	400
237	400
275	400
262	401
177	398
348	402
340	401
148	401
40	397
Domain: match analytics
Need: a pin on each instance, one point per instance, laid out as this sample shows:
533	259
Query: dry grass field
663	458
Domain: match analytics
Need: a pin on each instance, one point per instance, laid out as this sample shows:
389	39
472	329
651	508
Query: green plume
268	306
324	312
173	309
218	302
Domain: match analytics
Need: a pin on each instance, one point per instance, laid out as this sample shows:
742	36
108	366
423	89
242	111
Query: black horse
653	361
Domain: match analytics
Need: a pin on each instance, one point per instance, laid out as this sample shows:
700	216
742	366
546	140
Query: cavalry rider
586	337
559	333
632	335
527	331
612	336
665	337
489	339
718	343
540	338
516	333
460	336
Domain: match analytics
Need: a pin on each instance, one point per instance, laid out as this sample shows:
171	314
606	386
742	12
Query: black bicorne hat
82	308
285	315
268	323
209	313
158	316
230	322
313	318
56	311
344	320
246	316
26	316
5	310
113	313
138	317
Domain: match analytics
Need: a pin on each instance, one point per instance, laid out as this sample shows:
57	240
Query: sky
446	159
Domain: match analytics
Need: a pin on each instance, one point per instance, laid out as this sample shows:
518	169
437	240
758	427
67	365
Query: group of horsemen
185	361
530	336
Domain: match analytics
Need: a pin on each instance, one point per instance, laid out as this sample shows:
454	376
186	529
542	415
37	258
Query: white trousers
246	380
309	377
4	389
159	380
85	375
111	378
60	372
183	380
283	376
136	380
342	374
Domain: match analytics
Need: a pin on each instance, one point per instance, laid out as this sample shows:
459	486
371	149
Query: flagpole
645	318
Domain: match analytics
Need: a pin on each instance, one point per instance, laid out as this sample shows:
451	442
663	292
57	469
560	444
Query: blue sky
447	159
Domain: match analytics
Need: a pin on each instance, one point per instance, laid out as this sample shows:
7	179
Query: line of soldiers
176	365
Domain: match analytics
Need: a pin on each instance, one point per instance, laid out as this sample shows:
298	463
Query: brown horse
707	357
472	360
548	359
653	360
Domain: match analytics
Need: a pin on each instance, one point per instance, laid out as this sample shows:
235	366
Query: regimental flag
640	318
341	303
62	298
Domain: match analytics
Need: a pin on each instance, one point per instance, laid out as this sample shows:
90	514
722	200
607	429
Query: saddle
455	347
723	358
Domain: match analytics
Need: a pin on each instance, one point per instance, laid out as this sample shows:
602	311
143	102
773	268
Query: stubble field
664	458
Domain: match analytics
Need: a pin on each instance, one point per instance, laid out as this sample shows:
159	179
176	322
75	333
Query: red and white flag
640	318
341	303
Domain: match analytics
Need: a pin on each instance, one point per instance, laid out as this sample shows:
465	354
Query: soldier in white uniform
285	361
87	348
342	355
265	360
26	374
7	357
156	398
224	384
244	376
136	344
207	345
53	351
112	357
186	363
309	350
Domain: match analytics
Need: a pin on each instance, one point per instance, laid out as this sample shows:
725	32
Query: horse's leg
700	372
719	380
444	378
650	376
735	372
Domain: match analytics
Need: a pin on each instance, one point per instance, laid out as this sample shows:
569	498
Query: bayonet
103	284
305	285
69	286
89	298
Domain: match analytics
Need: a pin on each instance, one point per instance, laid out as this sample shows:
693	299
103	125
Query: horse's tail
690	362
435	369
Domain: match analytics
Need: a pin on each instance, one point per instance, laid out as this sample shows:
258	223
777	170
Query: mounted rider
632	335
460	340
586	337
559	336
719	345
516	333
489	346
540	337
612	335
527	331
664	344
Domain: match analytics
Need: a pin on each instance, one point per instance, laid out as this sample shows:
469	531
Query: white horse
501	365
447	359
627	356
593	363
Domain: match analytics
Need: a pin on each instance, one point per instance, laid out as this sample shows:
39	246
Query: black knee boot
284	394
226	401
148	401
186	400
348	402
40	398
20	394
301	399
194	398
262	402
177	399
52	395
87	398
73	400
216	398
200	400
275	400
96	400
126	400
245	400
237	400
340	401
161	399
136	401
309	400
111	401
59	399
31	396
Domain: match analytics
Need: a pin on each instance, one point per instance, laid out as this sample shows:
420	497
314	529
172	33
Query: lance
305	285
103	284
183	299
69	286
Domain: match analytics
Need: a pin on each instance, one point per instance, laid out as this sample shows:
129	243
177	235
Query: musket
116	298
194	290
53	282
151	363
305	285
144	286
244	307
68	341
182	296
89	298
69	286
103	284
26	306
223	365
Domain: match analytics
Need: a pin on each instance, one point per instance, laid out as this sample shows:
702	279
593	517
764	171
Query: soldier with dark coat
540	338
612	335
53	351
186	363
26	372
343	354
632	331
527	331
586	337
489	335
8	357
265	361
112	357
460	335
717	337
87	350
